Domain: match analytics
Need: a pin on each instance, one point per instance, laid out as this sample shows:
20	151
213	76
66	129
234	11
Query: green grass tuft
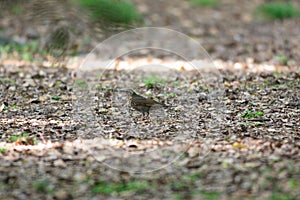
43	186
3	150
206	3
111	188
26	52
109	11
278	10
153	81
14	138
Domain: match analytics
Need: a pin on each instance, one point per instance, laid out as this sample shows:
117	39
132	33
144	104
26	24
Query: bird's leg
147	116
144	116
140	117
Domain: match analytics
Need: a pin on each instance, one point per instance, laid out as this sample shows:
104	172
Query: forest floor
237	137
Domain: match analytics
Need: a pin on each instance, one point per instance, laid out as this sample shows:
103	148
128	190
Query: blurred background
257	31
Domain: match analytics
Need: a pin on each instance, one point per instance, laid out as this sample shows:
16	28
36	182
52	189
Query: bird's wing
152	102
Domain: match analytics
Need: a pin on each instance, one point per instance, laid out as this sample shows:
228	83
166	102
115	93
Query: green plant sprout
28	139
283	59
81	84
56	98
172	95
8	80
153	81
249	114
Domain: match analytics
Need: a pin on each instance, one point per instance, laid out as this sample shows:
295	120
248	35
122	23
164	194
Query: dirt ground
229	133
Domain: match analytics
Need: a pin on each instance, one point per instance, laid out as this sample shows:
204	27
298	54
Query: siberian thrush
143	104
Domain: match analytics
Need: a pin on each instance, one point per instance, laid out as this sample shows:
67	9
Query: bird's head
127	90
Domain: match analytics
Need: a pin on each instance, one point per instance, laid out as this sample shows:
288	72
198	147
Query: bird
143	104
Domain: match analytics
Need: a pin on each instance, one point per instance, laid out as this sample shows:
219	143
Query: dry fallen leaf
238	145
25	141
